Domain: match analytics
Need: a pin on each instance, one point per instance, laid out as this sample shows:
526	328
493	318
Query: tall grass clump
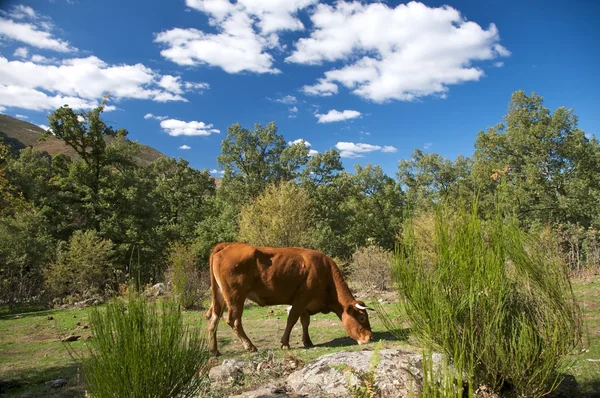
142	349
499	307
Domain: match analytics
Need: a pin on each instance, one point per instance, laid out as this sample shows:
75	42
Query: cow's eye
362	319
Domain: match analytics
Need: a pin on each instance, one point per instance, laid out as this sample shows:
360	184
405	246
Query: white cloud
175	128
288	100
43	127
79	82
323	88
21	11
352	150
337	116
2	109
152	116
185	147
422	51
40	59
21	116
427	145
311	152
246	31
215	171
37	36
173	84
21	52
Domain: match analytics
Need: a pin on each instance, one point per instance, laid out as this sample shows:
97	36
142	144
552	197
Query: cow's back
272	276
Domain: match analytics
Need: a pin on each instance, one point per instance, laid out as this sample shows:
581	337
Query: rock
264	392
58	383
156	290
398	374
73	337
18	317
229	370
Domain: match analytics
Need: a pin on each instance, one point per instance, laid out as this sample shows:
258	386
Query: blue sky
373	79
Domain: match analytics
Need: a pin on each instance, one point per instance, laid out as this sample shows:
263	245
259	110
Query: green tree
428	178
376	204
279	217
551	168
180	195
254	159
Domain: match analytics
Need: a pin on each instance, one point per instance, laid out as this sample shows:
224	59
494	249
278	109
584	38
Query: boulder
264	392
229	370
58	383
397	374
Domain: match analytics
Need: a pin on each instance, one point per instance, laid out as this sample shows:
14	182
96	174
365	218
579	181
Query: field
31	352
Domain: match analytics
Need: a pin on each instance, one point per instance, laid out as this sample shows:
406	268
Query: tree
180	195
428	178
252	160
279	217
552	170
88	135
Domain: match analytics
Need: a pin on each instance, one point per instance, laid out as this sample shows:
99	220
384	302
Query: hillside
19	134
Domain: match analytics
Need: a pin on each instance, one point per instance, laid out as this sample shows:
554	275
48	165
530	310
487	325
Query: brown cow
308	280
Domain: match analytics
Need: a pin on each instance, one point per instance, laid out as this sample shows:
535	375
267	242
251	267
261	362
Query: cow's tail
214	286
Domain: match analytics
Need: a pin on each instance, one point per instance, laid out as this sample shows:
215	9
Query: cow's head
356	322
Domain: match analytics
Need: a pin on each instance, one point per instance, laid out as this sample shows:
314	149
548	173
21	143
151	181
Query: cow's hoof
215	353
251	349
308	344
285	346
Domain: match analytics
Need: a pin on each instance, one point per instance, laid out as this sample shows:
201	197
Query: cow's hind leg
305	320
298	308
234	319
214	314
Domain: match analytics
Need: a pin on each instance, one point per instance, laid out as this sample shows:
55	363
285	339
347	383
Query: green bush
493	301
140	350
83	267
370	269
188	285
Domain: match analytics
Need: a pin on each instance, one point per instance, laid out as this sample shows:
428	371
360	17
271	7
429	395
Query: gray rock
229	370
264	392
58	383
398	374
156	290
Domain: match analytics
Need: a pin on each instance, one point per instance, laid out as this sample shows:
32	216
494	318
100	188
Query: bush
25	247
370	269
281	216
140	350
188	285
84	266
493	301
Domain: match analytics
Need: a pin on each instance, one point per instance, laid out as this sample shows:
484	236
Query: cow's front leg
305	320
293	316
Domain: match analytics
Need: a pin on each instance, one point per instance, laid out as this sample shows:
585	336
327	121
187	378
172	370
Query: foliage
188	285
140	349
371	269
220	224
25	247
494	301
252	160
551	167
280	217
84	266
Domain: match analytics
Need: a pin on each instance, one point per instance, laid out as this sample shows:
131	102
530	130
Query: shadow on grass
397	335
32	383
8	310
590	389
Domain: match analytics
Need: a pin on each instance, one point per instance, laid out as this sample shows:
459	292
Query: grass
31	354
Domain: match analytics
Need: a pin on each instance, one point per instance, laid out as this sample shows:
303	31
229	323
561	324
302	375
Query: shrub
188	285
280	216
140	350
83	266
370	269
494	302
